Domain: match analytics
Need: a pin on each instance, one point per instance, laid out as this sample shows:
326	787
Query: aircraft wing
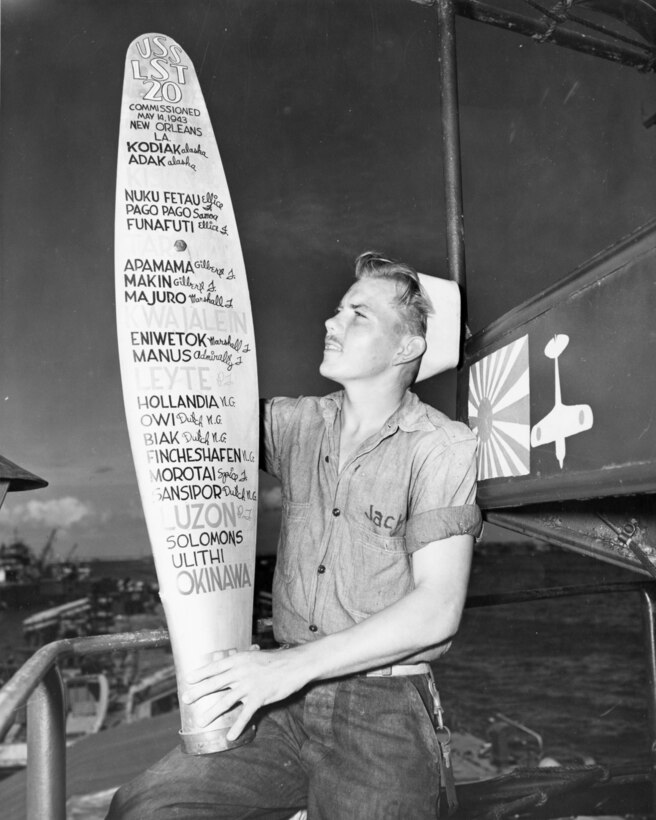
563	421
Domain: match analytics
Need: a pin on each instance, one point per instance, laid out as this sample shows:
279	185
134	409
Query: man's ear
412	348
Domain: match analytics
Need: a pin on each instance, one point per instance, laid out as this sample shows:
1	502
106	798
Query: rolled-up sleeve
275	415
443	498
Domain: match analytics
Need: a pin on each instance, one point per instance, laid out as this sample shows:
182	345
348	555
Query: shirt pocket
293	530
375	572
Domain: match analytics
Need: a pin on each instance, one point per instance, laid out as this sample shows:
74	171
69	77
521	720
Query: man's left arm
426	618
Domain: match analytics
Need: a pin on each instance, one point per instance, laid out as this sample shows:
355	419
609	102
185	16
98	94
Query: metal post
4	487
648	598
46	750
451	144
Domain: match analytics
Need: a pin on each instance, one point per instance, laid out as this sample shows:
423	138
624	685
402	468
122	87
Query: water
571	669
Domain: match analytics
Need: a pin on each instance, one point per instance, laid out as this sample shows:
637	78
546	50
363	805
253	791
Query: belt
400	670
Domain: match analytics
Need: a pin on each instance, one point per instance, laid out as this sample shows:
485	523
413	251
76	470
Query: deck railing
39	684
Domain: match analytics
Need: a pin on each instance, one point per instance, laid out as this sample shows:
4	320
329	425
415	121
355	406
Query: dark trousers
354	749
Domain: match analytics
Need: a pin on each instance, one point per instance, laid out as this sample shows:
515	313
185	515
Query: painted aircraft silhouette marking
563	420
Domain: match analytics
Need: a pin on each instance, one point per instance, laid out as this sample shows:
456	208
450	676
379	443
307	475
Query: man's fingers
240	724
206	686
222	653
219	705
211	670
221	661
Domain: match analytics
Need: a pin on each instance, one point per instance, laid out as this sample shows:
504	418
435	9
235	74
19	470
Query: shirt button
327	458
321	569
336	512
313	627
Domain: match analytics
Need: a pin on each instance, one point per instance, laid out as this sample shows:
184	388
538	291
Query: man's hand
256	678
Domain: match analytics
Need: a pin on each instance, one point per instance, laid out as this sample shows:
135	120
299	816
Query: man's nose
330	324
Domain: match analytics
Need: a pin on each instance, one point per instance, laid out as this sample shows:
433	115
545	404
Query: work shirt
347	537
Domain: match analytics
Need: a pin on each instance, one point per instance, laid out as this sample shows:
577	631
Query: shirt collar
410	416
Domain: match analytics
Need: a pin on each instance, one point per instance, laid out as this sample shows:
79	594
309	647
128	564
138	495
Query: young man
375	547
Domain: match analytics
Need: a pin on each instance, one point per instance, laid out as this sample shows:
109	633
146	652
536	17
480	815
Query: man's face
364	335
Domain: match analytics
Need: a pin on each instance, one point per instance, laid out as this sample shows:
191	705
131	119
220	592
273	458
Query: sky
326	114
